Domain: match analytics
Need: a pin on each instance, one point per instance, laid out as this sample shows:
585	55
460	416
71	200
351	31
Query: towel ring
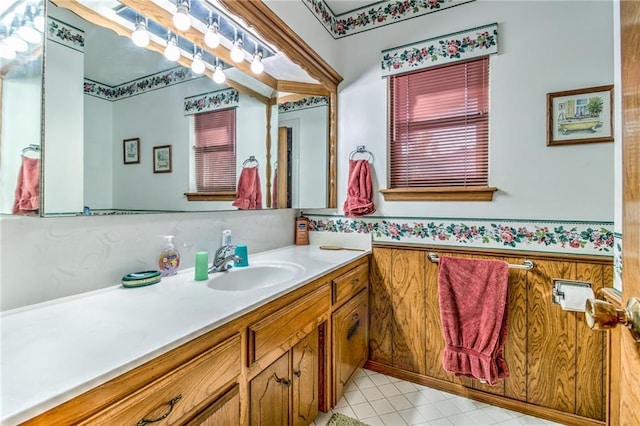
251	159
361	150
31	148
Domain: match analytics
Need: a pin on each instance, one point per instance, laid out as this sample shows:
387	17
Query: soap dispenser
169	258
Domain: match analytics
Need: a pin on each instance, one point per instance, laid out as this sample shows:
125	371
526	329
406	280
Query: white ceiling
341	6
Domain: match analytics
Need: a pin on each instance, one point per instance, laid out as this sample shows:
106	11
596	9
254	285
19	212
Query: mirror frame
272	29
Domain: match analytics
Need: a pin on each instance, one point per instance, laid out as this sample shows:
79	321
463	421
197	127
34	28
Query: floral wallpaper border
589	238
65	34
226	98
617	260
374	15
137	87
310	102
462	45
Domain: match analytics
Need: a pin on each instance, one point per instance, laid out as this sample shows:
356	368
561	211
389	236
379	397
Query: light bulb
197	66
28	31
211	37
38	22
181	18
237	55
16	43
171	52
6	52
140	36
256	65
218	75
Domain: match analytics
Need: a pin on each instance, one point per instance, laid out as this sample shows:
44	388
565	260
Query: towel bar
527	264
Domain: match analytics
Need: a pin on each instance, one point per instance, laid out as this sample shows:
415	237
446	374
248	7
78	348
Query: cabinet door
224	411
306	357
270	394
350	327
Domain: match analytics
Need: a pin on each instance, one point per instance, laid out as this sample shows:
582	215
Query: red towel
248	193
473	308
27	199
359	190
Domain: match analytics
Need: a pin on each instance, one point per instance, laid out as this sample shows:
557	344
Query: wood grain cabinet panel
348	285
225	411
557	365
270	394
305	360
180	394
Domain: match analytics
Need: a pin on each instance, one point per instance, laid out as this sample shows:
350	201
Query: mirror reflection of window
215	151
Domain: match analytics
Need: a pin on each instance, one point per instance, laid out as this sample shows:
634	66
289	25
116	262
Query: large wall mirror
120	120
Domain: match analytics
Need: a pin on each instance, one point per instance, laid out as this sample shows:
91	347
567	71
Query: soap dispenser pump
169	258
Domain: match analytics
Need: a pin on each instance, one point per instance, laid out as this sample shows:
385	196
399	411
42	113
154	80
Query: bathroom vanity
193	352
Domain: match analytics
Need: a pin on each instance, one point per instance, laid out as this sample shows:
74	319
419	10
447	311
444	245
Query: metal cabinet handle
355	281
354	327
297	373
285	382
172	404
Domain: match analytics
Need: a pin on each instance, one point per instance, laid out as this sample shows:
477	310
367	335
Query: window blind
215	150
439	126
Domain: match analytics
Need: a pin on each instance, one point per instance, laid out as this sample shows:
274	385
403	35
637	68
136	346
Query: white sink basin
256	275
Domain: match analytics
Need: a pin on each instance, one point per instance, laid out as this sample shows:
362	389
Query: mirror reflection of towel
27	199
248	193
359	190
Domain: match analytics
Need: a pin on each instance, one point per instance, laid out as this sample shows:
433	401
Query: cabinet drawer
349	284
276	330
179	394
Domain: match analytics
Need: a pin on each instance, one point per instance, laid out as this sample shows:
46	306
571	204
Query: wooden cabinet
176	396
286	392
224	411
350	327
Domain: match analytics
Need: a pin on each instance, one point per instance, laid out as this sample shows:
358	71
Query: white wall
20	128
544	47
98	153
64	129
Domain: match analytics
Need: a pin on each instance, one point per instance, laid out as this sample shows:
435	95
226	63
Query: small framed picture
580	116
131	151
162	159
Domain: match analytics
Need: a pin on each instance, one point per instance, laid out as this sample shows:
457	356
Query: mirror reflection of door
285	167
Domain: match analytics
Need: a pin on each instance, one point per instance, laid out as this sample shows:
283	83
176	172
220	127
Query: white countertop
54	351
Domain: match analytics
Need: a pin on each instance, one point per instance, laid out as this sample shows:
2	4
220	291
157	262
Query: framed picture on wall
131	151
162	159
580	116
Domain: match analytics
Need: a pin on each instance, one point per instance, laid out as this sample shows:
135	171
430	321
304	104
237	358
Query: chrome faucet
223	257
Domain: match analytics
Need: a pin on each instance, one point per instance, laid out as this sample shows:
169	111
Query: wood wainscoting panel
591	349
408	307
551	341
433	333
380	311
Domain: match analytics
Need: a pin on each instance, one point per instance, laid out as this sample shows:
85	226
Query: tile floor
376	399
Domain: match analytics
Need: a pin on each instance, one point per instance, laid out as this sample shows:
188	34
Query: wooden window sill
481	193
211	196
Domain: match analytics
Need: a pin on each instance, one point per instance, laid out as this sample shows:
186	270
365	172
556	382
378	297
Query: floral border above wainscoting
310	102
590	238
462	45
65	34
374	15
225	98
617	260
142	85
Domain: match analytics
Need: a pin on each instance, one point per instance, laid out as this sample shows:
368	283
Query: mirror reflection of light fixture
181	18
140	36
256	64
218	74
15	42
197	66
6	52
211	37
38	17
27	30
172	52
237	54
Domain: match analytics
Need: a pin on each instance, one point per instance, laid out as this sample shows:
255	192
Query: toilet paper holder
558	295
